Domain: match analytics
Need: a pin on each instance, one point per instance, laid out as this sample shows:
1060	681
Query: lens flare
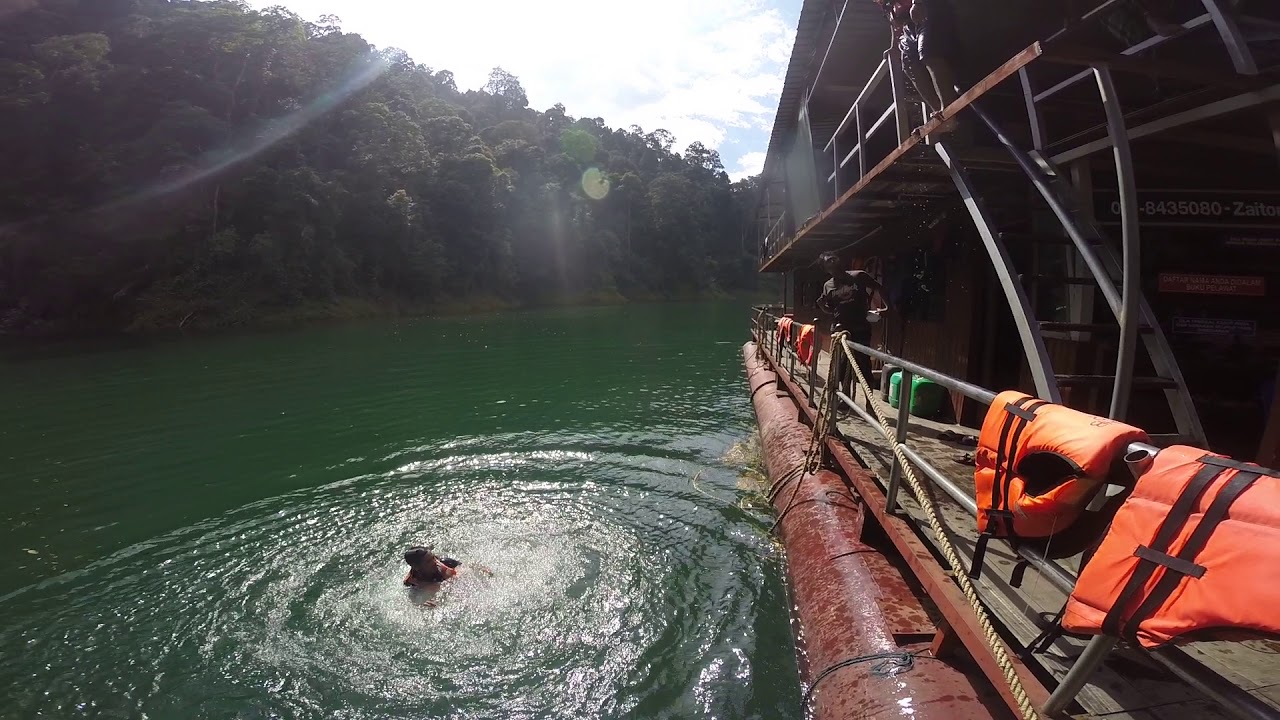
595	183
263	137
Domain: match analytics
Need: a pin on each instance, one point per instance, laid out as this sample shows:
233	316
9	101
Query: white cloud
750	164
699	68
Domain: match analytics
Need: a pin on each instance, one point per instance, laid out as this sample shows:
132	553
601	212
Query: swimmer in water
428	570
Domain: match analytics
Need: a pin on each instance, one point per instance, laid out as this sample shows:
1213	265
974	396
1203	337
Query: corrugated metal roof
814	15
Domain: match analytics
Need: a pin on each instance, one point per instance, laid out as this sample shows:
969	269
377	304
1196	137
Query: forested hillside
200	164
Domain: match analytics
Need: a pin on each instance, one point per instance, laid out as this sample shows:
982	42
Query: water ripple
618	588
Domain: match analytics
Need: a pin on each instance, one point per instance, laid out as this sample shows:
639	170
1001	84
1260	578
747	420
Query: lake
213	527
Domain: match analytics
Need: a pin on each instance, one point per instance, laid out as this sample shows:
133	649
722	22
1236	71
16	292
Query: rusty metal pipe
849	598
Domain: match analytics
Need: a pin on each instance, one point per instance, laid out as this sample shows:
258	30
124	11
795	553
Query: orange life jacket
1196	546
1038	466
784	330
804	344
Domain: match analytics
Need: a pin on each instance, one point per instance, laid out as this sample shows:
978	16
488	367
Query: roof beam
1224	141
1074	55
1232	104
1145	44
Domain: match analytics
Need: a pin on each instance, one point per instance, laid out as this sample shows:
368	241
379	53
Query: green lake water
212	528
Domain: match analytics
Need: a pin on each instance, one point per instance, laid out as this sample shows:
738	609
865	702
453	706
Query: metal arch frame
1130	276
1041	181
1032	340
1237	46
1101	264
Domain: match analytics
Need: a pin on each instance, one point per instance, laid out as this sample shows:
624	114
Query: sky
706	70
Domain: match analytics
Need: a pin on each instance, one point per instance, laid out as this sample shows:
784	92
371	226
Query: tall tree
202	164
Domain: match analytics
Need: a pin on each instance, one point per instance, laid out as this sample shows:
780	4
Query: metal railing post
813	364
900	438
1081	670
791	356
1033	113
835	170
862	141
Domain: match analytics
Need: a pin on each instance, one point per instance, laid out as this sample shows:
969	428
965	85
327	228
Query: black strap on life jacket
1047	637
1183	565
1019	573
1018	415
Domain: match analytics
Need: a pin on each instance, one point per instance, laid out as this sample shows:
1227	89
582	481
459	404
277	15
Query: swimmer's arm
483	569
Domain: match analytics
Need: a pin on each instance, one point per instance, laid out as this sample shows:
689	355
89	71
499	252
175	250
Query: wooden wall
946	344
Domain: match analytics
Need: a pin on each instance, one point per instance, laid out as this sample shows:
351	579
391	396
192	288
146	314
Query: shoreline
359	309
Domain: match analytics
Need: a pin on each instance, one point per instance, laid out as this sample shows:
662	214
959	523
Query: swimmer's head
418	555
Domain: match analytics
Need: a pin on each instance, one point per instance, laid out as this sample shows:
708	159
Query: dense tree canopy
175	162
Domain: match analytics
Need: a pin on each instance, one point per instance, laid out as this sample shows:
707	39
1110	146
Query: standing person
926	37
938	50
847	298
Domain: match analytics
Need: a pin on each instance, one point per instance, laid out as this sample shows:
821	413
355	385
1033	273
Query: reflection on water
619	589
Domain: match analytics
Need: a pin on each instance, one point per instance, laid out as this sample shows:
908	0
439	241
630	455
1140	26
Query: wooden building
1103	230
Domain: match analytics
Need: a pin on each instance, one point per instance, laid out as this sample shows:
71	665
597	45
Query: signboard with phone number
1194	207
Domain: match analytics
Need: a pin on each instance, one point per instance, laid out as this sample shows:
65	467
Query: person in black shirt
847	298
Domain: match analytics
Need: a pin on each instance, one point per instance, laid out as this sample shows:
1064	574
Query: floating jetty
1093	223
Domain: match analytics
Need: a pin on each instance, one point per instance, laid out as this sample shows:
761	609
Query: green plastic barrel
926	397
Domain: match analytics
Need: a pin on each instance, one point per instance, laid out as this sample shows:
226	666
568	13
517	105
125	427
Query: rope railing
949	553
813	461
1057	575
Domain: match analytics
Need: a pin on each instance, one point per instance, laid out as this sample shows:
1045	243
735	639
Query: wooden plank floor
1129	685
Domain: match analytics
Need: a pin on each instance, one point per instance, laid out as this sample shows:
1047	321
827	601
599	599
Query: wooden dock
1129	684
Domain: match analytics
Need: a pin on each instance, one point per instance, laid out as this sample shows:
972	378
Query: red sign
1213	284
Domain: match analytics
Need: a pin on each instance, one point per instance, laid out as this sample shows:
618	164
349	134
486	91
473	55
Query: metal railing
855	119
783	353
868	114
1238	702
773	239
